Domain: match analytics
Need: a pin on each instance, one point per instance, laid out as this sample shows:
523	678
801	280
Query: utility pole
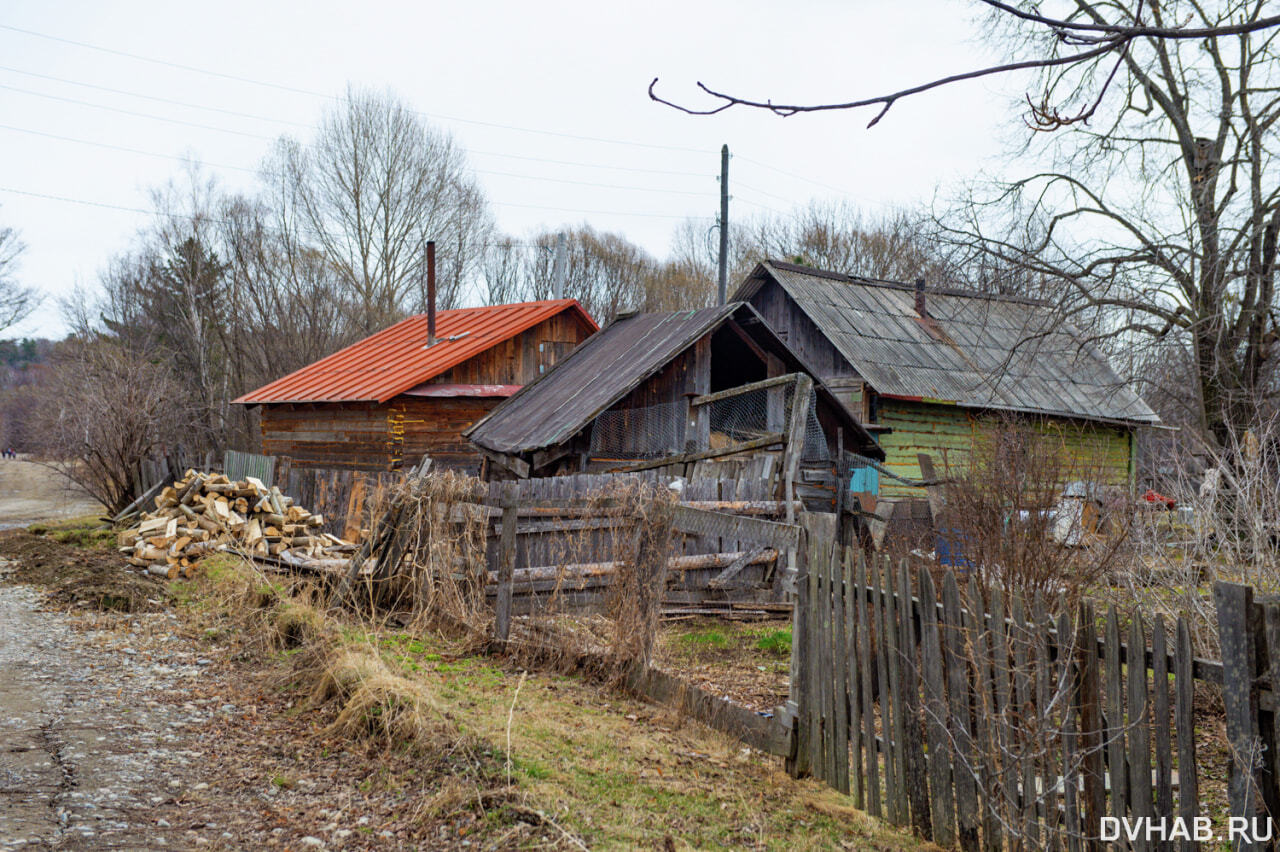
558	266
723	287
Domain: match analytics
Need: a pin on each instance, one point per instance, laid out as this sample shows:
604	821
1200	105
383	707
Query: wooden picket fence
991	721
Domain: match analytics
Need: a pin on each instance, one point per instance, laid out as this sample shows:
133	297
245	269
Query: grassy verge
589	766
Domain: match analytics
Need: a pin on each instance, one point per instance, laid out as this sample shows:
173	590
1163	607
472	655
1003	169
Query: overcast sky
519	85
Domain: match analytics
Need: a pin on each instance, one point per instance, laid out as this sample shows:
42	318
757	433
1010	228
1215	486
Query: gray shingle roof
1000	353
608	365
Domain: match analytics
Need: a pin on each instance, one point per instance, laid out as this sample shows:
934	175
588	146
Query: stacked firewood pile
205	513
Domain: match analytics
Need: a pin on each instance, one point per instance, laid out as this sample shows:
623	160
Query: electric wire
296	90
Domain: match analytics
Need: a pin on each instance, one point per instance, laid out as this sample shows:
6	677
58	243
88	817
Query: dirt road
31	492
88	750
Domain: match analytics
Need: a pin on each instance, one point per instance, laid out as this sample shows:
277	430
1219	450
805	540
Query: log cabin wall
376	437
521	359
373	437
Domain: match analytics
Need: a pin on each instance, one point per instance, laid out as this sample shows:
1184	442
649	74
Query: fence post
506	561
798	763
1239	624
652	550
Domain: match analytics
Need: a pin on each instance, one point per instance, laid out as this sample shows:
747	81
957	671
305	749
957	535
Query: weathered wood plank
839	667
941	801
917	771
826	700
1239	667
506	565
756	530
854	630
976	623
1162	741
868	707
964	774
720	713
1001	642
1268	650
741	389
1046	691
717	452
1029	719
1089	709
1070	751
880	602
1139	753
1115	727
1184	692
895	727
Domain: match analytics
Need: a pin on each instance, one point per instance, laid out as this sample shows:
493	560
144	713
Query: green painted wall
948	432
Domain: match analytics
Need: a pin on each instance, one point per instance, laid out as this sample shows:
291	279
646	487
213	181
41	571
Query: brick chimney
920	306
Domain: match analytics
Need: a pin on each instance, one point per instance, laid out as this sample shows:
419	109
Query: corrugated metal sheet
396	359
609	365
994	352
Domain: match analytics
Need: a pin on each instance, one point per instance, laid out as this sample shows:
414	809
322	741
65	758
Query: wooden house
384	402
711	392
932	369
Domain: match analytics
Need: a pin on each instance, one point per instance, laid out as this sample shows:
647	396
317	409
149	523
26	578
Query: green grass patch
711	638
775	642
88	532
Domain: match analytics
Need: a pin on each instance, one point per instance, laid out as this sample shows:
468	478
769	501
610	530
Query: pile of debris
206	512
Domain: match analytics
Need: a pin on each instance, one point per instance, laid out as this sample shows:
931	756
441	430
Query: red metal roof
396	359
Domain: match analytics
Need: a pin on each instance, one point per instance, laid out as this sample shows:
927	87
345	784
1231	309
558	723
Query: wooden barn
709	393
934	368
384	402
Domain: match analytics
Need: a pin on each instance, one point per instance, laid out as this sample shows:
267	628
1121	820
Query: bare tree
374	186
899	245
16	302
103	410
1093	35
604	271
1163	223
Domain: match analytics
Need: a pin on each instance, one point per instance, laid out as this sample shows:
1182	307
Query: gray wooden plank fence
990	720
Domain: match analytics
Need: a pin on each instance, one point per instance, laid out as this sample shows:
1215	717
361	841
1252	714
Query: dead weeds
81	577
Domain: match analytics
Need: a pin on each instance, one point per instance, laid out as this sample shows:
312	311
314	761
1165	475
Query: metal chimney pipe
920	305
431	292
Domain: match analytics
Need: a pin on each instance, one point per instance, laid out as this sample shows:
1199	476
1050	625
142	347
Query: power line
137	114
294	89
794	175
179	158
590	183
124	148
127	209
589	165
321	95
237	113
605	212
155	98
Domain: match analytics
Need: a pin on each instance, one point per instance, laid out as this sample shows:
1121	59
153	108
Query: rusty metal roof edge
526	323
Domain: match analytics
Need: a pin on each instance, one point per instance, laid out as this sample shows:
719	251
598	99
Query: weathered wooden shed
710	391
385	401
934	368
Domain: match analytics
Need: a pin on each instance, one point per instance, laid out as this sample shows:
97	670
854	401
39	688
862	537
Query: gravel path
89	755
